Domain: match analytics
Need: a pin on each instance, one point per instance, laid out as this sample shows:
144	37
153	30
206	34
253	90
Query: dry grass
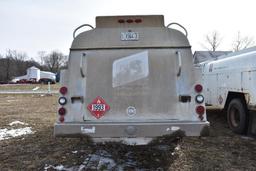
17	87
222	150
32	109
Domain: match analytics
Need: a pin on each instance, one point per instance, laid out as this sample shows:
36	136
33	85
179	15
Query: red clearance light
198	88
63	90
121	21
62	111
138	20
61	119
200	110
129	21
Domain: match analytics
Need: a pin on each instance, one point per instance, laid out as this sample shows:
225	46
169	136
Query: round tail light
61	119
198	88
62	111
63	90
200	110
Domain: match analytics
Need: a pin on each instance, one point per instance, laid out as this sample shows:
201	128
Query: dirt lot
222	150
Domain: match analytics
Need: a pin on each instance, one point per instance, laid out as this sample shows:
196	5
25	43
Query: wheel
237	116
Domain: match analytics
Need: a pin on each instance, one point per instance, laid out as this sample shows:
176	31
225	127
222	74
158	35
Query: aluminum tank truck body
131	78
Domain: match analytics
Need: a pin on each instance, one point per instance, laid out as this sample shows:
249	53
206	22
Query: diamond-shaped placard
98	107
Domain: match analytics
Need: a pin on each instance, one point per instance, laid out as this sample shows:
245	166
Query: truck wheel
237	116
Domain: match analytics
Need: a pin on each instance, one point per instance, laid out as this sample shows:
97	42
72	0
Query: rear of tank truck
132	79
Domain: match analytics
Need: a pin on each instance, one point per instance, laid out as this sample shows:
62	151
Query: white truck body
48	76
229	78
33	73
36	75
130	78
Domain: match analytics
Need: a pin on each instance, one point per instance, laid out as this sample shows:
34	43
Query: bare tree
15	63
16	55
212	40
54	61
18	58
242	42
42	55
7	64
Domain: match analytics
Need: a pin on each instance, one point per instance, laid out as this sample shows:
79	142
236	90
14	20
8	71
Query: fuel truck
130	79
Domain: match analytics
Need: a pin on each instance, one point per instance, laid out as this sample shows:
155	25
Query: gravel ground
39	150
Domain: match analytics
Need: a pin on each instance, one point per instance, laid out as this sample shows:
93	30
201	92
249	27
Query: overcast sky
45	25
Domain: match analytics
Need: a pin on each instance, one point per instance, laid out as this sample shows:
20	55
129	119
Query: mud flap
252	124
205	132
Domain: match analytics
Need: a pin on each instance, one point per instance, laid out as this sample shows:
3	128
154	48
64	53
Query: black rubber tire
237	116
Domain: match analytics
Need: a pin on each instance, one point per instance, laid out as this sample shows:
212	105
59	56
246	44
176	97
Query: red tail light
61	119
200	110
62	111
198	88
63	90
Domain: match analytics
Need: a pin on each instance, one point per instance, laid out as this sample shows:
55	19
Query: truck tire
237	116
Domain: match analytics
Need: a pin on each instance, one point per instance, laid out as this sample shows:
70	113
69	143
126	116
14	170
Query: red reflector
63	90
61	119
200	110
129	21
62	111
138	20
198	88
121	21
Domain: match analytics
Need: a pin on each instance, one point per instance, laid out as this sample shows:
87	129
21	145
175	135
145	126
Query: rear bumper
128	130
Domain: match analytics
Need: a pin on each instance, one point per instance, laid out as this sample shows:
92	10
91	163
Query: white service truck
230	85
130	79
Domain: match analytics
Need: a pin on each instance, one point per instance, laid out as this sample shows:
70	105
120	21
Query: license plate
129	36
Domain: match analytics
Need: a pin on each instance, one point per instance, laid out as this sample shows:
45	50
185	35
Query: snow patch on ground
17	123
36	88
104	160
10	133
10	101
101	160
59	168
62	168
74	152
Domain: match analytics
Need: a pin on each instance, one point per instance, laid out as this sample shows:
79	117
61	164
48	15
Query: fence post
49	88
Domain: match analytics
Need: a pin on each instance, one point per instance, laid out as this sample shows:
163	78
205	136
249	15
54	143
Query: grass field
222	150
27	87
